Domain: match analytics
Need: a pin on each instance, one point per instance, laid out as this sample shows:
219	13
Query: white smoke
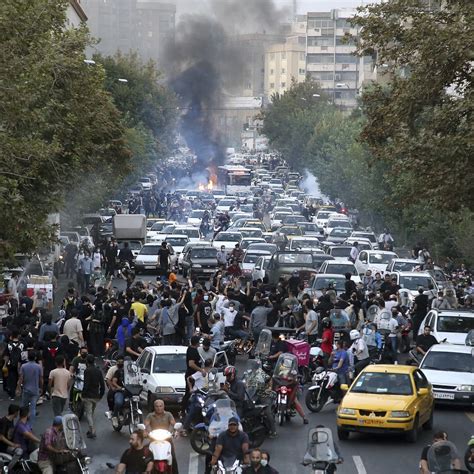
310	185
193	182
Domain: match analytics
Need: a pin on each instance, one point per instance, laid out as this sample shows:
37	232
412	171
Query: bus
234	179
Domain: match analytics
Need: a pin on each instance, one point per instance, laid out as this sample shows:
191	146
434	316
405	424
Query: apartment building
284	63
144	26
75	13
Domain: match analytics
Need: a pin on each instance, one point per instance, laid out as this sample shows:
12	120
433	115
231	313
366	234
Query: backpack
15	349
52	351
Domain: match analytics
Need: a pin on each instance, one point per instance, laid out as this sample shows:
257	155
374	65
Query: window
283	84
320	41
283	55
322	76
283	70
272	85
320	58
301	71
272	72
272	56
302	56
346	59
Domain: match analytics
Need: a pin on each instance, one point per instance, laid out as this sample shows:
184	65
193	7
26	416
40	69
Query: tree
58	126
420	121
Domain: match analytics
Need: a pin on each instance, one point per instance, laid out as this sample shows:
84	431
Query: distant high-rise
144	26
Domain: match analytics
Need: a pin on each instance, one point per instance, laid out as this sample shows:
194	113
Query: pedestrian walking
86	268
30	384
92	393
12	360
60	380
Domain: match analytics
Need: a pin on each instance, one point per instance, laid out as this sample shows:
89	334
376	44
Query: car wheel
429	424
412	435
343	435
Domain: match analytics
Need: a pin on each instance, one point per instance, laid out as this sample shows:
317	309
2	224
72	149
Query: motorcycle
228	466
441	458
160	447
325	386
218	415
285	380
469	455
130	414
75	403
25	465
262	349
321	453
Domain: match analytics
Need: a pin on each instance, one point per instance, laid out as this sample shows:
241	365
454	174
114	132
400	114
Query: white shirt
229	317
390	304
393	326
361	351
200	381
354	253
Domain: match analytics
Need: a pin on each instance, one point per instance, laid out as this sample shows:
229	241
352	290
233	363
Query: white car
402	265
358	234
450	370
322	218
334	223
195	217
147	259
162	371
451	325
250	259
247	232
145	184
155	231
375	260
261	265
192	233
278	217
225	204
227	239
412	281
363	244
305	244
337	267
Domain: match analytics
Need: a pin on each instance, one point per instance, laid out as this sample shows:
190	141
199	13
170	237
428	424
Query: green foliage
420	121
57	123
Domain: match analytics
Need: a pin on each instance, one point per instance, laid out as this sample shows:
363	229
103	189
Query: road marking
193	467
359	465
470	415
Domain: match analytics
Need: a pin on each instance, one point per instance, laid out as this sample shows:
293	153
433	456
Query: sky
196	6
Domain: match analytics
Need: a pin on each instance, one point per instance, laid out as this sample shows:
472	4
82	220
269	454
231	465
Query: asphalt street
363	454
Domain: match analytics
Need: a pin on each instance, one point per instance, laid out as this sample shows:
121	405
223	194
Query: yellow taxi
386	399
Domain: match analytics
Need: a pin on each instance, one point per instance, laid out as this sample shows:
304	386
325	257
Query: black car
200	262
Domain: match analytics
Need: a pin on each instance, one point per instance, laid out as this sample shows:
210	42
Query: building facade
75	13
284	63
144	26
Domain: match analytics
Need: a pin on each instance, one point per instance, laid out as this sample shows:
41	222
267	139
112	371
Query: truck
130	228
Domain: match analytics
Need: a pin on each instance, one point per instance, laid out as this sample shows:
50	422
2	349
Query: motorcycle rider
116	384
360	350
6	435
235	388
51	450
137	458
425	341
438	437
327	339
232	443
258	382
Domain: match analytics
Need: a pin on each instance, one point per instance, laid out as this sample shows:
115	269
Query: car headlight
347	411
465	388
139	262
164	390
196	265
400	414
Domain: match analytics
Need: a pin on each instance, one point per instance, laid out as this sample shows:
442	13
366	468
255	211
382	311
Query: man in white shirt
393	335
73	329
354	252
229	316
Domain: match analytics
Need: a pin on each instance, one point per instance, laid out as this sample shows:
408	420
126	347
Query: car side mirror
423	391
344	387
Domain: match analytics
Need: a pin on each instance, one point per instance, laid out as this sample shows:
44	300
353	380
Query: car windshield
338	224
404	266
252	257
251	233
340	232
192	233
270	248
340	269
458	323
414	282
132	245
292	258
227	202
309	226
150	250
197	214
281	215
228	237
169	363
204	253
176	242
157	226
323	215
307	244
371	237
322	282
383	383
380	258
341	252
449	361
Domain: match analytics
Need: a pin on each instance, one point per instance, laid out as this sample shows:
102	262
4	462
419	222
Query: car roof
380	251
405	260
176	236
389	368
455	312
339	262
167	349
326	276
451	348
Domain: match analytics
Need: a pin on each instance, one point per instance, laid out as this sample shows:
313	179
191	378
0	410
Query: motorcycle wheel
134	426
200	441
467	456
117	427
281	417
257	438
77	407
305	375
314	403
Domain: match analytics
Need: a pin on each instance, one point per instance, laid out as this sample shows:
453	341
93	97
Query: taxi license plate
370	422
444	396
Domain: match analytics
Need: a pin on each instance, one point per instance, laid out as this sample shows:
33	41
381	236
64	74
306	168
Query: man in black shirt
138	458
93	391
420	308
6	433
134	345
163	257
232	443
425	341
440	436
193	364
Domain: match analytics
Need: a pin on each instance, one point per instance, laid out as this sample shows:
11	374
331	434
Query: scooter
321	452
469	455
228	466
325	387
285	378
441	458
160	447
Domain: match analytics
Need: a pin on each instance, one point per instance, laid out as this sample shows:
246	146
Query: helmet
326	322
230	370
354	334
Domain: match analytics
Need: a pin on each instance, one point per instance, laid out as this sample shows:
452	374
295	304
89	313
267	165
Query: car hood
175	380
442	377
452	337
369	401
204	261
148	258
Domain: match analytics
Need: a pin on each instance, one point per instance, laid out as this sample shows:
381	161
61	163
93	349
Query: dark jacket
94	386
